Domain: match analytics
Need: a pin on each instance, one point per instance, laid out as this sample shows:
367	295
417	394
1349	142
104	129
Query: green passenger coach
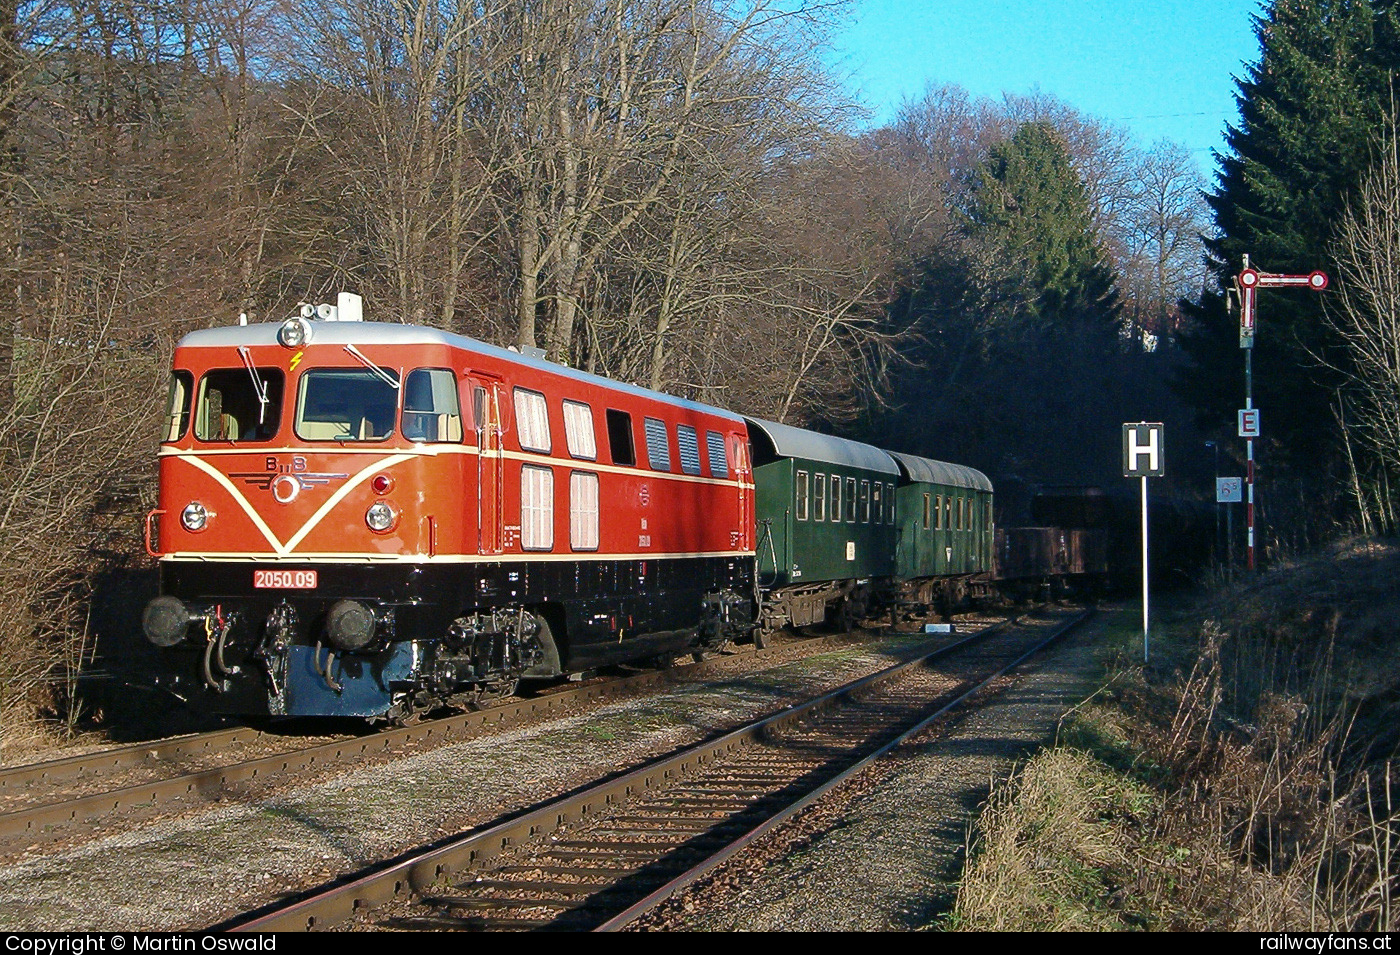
826	515
945	533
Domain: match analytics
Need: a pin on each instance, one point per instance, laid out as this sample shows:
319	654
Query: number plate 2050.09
284	579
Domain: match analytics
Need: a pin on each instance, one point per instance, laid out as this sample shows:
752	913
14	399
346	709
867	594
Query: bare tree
1364	312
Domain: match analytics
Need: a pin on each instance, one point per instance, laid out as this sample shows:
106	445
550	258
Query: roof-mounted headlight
294	333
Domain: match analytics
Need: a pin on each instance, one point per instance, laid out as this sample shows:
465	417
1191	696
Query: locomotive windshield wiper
378	372
259	386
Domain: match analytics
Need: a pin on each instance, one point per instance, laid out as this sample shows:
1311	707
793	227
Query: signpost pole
1144	457
1145	615
1249	281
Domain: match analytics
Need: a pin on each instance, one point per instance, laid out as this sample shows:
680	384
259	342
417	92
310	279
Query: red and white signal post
1248	282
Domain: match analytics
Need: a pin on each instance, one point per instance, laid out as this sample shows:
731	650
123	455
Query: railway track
54	798
603	856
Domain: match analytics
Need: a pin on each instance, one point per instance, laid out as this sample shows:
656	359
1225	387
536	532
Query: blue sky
1163	69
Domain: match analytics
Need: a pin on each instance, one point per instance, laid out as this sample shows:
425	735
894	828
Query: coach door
490	463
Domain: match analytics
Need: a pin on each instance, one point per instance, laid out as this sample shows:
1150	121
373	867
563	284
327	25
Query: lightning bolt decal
296	360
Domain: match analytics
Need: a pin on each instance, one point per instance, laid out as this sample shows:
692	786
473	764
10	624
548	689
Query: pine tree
1029	206
1308	112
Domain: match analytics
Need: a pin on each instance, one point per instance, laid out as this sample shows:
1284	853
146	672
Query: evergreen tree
1308	112
1029	206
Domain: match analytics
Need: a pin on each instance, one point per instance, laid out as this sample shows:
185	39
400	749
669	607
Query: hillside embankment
1244	779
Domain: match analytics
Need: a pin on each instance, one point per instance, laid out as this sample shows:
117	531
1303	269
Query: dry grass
1242	783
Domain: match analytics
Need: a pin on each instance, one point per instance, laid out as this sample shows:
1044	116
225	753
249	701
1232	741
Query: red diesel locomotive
366	519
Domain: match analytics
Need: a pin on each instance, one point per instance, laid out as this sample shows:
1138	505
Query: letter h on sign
1142	450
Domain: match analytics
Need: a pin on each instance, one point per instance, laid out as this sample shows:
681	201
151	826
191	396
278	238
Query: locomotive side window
536	508
658	446
578	431
620	443
532	421
802	502
233	407
689	443
346	404
865	502
431	412
719	462
819	497
850	500
583	510
836	497
177	407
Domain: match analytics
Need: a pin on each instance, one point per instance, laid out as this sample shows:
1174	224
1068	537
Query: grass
1240	781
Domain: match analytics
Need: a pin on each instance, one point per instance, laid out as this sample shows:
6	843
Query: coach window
620	443
889	504
532	421
688	442
239	404
802	502
947	524
177	406
850	500
536	508
877	502
836	498
926	510
819	497
431	412
938	513
719	461
865	502
578	431
658	444
583	510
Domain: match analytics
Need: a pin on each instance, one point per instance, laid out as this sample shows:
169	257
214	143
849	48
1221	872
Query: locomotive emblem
286	481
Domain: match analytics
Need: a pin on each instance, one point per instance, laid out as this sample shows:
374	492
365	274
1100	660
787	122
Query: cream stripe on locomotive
578	464
376	558
285	550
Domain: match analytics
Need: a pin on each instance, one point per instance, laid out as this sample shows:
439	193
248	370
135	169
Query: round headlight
194	516
294	333
380	517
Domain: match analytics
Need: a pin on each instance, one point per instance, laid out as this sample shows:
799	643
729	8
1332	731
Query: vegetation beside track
1244	780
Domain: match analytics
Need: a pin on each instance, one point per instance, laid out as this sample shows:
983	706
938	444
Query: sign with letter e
1142	450
1249	422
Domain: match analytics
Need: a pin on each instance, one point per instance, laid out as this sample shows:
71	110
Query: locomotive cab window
346	404
236	404
620	443
177	406
802	502
430	409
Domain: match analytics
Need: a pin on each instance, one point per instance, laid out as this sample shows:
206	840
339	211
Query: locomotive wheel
762	637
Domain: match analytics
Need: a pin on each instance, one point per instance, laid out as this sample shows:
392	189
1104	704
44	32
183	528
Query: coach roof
928	471
790	442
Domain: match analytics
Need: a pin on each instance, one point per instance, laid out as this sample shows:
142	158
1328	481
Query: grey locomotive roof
928	471
362	334
797	443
